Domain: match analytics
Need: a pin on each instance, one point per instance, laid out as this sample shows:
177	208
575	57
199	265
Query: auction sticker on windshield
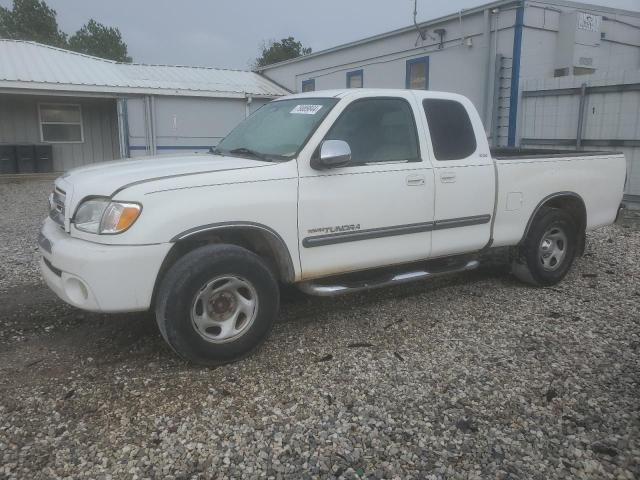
306	109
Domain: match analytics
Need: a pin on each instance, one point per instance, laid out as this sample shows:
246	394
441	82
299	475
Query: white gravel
474	376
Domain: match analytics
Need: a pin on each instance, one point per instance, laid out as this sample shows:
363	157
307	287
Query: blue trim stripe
172	147
515	75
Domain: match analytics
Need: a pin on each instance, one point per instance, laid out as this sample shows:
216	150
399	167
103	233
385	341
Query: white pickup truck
334	191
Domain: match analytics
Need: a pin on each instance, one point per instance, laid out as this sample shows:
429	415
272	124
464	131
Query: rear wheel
549	249
216	304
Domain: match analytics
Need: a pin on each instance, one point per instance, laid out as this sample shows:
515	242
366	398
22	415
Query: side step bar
339	288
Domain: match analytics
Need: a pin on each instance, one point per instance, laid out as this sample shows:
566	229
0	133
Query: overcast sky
228	33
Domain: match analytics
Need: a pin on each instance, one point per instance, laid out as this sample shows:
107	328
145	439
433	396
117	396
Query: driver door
378	210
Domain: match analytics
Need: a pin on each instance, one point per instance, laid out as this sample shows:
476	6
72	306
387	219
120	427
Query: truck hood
106	178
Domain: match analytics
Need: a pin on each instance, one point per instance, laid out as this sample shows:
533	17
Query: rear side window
451	131
378	130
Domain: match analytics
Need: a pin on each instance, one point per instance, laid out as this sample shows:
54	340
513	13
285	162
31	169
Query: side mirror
333	154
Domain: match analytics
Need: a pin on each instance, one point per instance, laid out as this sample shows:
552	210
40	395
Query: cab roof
374	92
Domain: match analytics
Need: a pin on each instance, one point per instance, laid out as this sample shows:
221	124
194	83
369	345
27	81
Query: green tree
273	52
101	41
31	20
34	20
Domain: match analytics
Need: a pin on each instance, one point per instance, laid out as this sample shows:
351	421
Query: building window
355	79
60	123
451	131
583	71
561	72
418	74
378	130
309	85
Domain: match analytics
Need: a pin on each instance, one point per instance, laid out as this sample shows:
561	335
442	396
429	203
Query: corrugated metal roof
32	65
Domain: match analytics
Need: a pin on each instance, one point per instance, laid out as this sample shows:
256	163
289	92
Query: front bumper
99	277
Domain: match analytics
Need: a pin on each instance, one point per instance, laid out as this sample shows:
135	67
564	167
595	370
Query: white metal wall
459	65
467	56
613	117
182	124
618	50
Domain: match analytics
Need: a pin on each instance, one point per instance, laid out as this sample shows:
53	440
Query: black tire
537	266
182	288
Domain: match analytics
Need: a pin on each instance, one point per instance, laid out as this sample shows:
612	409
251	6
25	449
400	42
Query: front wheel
549	250
216	304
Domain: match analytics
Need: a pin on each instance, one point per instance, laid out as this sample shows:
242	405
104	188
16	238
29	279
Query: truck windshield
278	130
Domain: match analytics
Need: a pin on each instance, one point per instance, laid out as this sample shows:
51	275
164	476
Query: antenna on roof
422	32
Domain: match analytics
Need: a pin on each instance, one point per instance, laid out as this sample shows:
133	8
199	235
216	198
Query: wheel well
264	243
569	202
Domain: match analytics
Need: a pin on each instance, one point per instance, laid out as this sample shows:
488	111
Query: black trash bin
8	159
26	156
44	158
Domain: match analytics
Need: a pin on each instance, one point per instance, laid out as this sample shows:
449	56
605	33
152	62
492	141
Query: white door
464	175
376	211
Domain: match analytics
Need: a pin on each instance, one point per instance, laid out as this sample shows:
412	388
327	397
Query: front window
277	131
60	123
378	130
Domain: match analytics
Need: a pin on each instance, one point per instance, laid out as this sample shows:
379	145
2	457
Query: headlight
89	214
100	215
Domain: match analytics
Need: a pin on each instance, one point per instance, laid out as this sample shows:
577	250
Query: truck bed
527	177
511	153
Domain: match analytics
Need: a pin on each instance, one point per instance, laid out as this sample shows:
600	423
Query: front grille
56	207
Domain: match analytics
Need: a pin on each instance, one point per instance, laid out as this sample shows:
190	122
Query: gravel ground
473	376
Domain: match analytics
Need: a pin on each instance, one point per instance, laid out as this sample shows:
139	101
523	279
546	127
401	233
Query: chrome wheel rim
224	309
552	249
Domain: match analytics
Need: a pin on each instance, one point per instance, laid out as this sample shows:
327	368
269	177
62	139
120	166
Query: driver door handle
415	180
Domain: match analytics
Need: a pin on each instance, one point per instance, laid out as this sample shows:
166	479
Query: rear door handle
448	177
415	180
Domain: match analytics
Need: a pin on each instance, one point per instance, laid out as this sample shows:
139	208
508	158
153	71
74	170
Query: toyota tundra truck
333	191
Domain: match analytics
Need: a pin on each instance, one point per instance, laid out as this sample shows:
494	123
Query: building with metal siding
487	53
19	125
91	110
